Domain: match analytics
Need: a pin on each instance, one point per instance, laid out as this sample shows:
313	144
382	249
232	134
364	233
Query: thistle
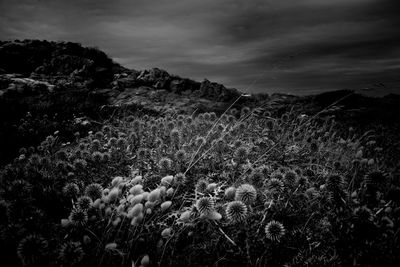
241	154
94	191
84	203
236	211
71	253
71	190
275	186
274	231
246	193
32	250
165	164
205	205
78	217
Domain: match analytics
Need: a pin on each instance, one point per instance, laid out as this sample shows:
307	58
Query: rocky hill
63	81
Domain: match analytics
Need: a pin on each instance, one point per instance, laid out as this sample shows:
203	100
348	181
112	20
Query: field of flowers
241	189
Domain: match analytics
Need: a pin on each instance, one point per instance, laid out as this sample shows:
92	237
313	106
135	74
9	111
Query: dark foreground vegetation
286	181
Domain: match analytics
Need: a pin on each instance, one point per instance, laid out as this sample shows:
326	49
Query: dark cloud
291	46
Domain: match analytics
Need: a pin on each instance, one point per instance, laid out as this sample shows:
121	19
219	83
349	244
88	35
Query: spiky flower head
71	190
95	146
205	205
201	186
334	183
236	211
274	231
99	135
363	214
165	164
71	253
84	202
78	217
257	178
94	191
241	154
275	185
290	177
246	193
97	156
180	178
80	164
31	250
180	155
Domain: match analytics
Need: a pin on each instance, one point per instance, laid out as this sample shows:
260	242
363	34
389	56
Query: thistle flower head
335	183
71	253
71	190
236	211
200	141
97	156
31	250
180	155
94	191
95	145
274	231
99	135
112	142
84	203
246	193
201	186
165	164
290	177
180	178
241	154
363	214
275	185
78	217
205	205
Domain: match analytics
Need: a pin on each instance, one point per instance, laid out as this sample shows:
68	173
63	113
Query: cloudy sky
291	46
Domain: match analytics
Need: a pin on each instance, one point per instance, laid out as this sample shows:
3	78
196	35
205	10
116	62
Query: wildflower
241	154
145	261
236	211
136	190
201	186
71	190
94	191
180	155
154	195
31	250
97	156
78	217
290	178
275	185
363	214
71	253
116	181
166	232
274	231
84	202
205	205
179	178
230	193
165	164
246	193
165	205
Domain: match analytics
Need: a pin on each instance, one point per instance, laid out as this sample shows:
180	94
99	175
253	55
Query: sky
264	46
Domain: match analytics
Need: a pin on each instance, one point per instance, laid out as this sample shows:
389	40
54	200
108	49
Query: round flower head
201	186
257	178
236	211
246	193
106	157
363	214
112	142
97	156
94	191
84	202
205	205
180	178
290	177
95	146
78	217
230	193
334	183
165	164
241	154
122	143
71	253
31	250
71	190
274	231
275	185
80	164
180	155
99	135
